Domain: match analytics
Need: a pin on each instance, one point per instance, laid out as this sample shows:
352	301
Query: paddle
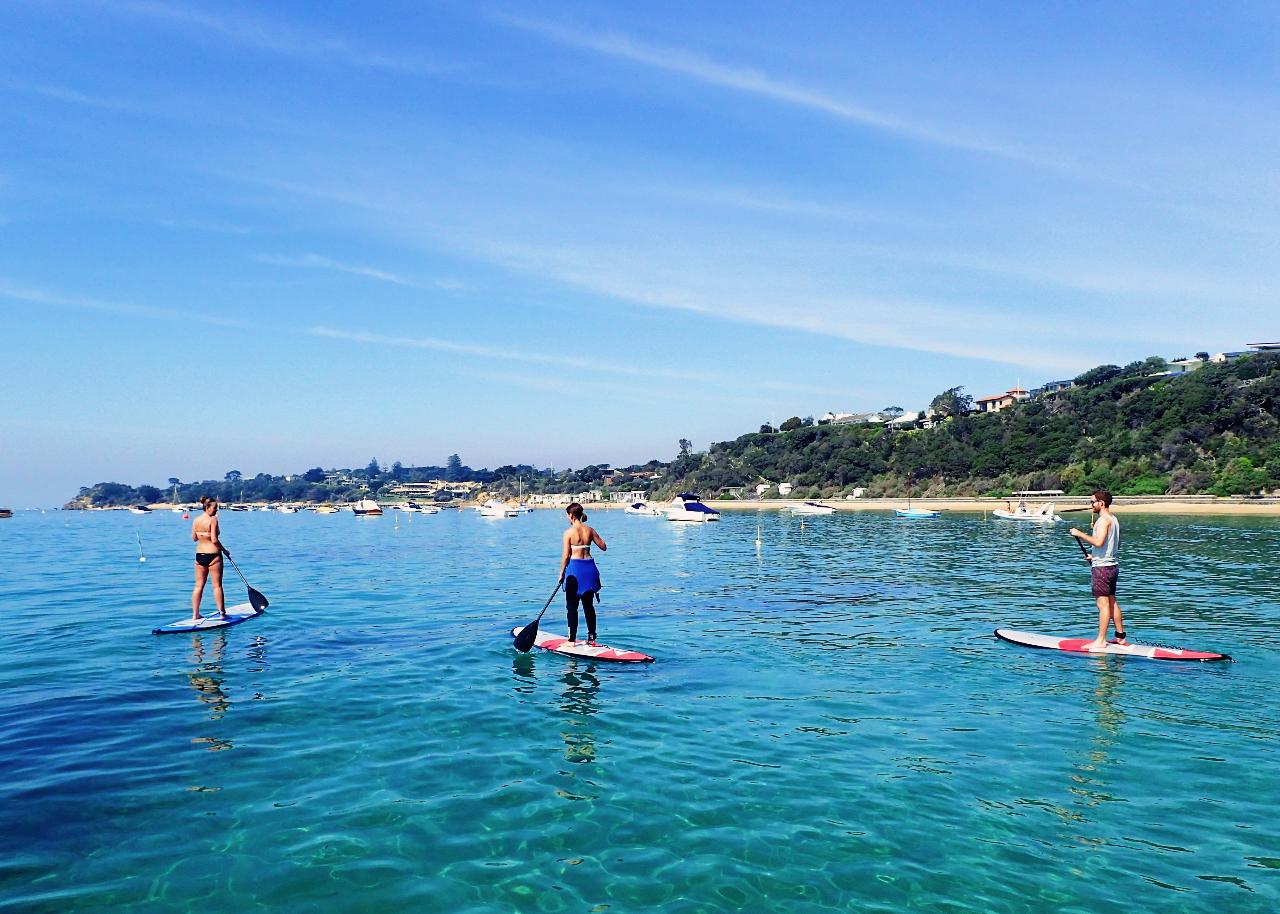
256	599
1088	559
524	640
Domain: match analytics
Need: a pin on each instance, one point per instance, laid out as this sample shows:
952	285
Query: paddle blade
257	600
524	640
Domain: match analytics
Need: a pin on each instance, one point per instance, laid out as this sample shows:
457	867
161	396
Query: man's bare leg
1104	621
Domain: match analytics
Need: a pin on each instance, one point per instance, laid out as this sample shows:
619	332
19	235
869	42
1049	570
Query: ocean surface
830	725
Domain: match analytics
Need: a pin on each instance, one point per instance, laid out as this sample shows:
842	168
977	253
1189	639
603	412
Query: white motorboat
326	509
643	508
422	509
812	507
495	508
287	509
139	509
1044	514
689	507
366	507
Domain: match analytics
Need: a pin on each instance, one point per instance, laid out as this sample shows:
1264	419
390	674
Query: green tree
951	403
453	471
686	447
233	476
790	425
1240	477
1099	375
314	475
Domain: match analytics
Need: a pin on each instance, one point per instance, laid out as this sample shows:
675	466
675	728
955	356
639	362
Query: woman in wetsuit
204	531
578	571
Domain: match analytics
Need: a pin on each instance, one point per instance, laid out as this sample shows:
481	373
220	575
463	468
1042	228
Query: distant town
1164	444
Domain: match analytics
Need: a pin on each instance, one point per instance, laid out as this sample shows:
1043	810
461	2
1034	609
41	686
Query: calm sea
830	725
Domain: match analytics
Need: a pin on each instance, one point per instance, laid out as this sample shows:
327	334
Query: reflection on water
206	678
1088	778
580	691
830	725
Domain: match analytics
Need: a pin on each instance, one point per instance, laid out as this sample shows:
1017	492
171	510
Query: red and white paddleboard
562	645
1077	646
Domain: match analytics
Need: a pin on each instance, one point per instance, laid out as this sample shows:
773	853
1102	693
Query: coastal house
762	488
906	420
784	489
1051	387
731	491
629	498
556	499
857	419
415	489
1227	356
1000	401
1265	347
1182	366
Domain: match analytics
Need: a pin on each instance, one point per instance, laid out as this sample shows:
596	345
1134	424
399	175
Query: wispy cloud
755	82
315	260
35	296
561	360
278	37
899	323
75	96
479	350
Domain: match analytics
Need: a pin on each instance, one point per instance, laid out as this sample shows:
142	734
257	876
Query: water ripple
830	726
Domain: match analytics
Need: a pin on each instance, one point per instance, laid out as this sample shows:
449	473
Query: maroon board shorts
1104	580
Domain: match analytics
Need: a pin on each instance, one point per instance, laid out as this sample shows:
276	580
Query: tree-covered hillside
1213	430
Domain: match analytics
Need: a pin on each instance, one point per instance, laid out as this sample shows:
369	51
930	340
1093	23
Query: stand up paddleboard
1077	646
235	615
561	645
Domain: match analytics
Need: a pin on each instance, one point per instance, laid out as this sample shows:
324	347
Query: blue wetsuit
581	583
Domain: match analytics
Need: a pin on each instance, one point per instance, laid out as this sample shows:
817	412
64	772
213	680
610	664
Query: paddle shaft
525	639
547	605
255	596
1088	559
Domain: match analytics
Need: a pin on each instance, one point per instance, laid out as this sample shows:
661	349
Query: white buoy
141	556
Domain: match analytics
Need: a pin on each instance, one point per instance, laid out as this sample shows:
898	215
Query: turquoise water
829	727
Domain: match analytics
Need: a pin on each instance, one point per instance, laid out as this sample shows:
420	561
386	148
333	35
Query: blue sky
274	235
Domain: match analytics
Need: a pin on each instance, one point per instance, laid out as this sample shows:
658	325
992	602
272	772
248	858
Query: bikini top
579	545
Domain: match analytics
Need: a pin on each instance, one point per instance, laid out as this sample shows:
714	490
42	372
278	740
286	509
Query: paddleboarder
204	531
1104	567
578	571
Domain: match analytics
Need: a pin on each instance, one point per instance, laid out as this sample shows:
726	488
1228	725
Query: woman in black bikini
208	557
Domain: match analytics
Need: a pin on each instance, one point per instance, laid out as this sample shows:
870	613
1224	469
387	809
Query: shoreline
1147	504
1208	505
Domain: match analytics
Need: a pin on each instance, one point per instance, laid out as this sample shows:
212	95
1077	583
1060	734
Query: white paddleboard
1077	646
562	645
209	620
